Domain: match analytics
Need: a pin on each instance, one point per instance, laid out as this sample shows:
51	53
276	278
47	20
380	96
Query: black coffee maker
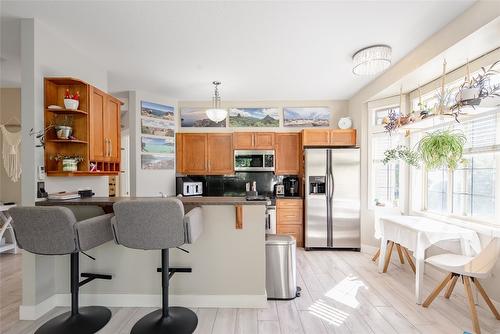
291	184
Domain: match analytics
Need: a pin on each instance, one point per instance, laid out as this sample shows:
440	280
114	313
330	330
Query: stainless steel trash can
281	270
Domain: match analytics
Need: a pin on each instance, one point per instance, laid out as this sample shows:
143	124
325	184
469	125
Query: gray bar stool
159	225
55	231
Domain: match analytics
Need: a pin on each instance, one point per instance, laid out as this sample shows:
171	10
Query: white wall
10	106
44	53
146	182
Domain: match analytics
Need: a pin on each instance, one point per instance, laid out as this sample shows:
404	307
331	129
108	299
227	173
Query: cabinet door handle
110	147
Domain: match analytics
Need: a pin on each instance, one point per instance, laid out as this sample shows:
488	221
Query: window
380	114
385	178
472	189
474	186
437	190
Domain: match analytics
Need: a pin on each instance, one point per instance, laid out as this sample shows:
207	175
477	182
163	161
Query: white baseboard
33	312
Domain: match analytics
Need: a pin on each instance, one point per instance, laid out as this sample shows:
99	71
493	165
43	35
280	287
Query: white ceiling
259	50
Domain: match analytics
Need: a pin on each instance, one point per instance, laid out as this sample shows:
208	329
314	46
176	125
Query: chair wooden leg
400	253
436	291
472	305
451	287
388	256
409	258
486	298
376	255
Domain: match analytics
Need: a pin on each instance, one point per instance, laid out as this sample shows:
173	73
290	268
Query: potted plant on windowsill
69	162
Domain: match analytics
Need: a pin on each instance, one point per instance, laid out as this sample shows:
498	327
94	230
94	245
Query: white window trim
374	130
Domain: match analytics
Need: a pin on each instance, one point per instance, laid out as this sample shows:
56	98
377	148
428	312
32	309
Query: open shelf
80	173
76	141
67	111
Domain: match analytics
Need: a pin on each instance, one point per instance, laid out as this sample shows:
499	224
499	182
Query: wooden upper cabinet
329	137
339	137
287	153
112	138
194	153
220	153
263	140
316	137
253	140
98	108
243	140
104	126
179	153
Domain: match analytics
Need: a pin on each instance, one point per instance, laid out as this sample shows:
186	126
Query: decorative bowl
69	165
71	104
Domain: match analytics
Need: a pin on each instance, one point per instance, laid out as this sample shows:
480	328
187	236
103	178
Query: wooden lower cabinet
289	219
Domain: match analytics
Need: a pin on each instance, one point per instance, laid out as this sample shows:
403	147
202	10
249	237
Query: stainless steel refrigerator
332	205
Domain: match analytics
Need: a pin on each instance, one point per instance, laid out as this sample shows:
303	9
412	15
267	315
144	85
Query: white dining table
418	233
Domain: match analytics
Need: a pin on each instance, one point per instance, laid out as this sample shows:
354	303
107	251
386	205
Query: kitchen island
228	263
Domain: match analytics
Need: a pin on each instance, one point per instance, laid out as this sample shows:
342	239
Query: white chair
470	269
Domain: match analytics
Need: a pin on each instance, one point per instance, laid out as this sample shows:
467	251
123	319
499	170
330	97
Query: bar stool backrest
45	230
149	224
486	259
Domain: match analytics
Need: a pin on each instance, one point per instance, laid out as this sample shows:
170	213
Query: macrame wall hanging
10	153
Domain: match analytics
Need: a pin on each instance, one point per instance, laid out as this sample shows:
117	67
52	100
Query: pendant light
371	60
216	113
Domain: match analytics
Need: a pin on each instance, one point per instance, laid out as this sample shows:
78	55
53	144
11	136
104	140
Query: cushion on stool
94	231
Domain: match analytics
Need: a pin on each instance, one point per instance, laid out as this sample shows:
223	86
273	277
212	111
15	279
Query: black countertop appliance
291	184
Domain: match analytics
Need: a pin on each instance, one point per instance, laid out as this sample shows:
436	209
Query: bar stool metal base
89	320
180	320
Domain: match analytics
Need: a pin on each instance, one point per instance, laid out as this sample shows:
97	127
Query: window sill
490	229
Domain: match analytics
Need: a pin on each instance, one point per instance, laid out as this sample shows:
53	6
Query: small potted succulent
69	162
71	101
64	126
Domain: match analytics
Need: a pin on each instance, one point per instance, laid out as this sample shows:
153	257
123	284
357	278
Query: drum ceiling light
216	113
371	60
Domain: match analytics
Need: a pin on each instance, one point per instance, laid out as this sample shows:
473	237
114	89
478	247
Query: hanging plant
473	90
404	153
391	121
442	148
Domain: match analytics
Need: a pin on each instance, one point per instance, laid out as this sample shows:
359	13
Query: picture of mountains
155	110
306	117
254	117
197	118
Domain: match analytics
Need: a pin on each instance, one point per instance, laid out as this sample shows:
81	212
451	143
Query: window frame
377	130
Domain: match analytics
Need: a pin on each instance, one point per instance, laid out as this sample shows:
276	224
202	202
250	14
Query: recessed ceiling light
371	60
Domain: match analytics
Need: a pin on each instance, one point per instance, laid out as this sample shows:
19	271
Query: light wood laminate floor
342	292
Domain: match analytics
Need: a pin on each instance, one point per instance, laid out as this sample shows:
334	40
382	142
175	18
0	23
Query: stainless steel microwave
253	161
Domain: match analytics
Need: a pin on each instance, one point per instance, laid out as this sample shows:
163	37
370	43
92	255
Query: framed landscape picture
153	161
197	118
157	127
157	145
254	117
155	110
306	117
